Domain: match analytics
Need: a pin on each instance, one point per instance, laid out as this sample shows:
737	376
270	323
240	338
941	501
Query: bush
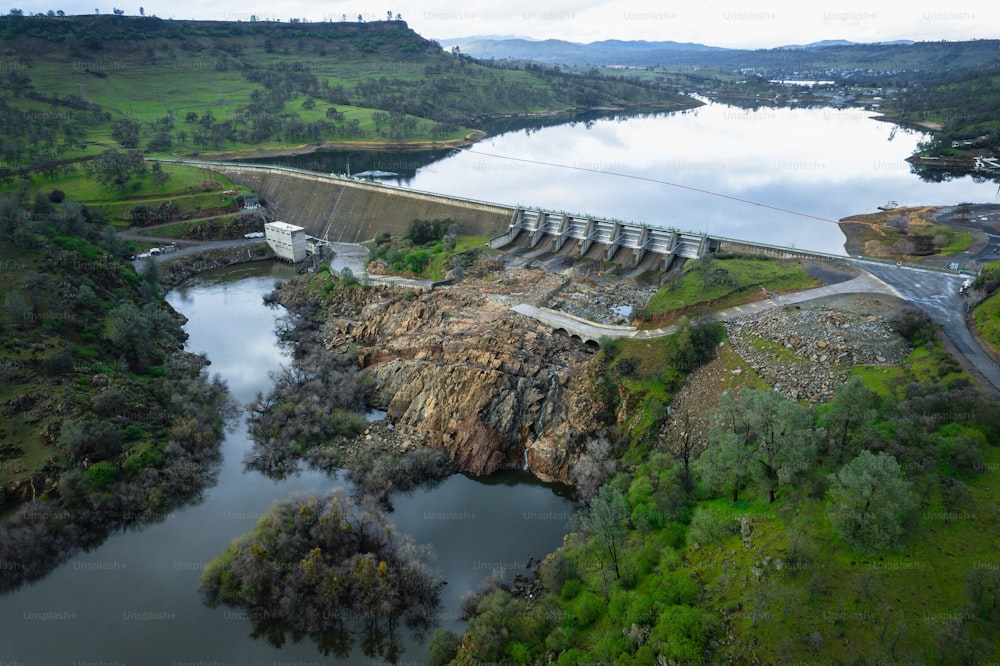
443	647
709	526
427	231
557	571
102	474
584	611
914	325
60	363
95	439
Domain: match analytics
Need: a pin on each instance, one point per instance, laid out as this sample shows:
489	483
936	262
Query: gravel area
604	304
805	353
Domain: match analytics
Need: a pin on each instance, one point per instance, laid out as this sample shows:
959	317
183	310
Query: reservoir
782	176
134	600
773	175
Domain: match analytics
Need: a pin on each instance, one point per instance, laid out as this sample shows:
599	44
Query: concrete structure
627	243
345	210
287	240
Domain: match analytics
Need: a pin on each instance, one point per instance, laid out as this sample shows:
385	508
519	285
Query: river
772	175
134	600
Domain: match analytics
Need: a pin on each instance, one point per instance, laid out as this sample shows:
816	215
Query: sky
734	24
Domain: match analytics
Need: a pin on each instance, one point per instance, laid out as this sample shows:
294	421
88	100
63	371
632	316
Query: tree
726	464
593	468
678	437
18	309
115	169
159	177
869	501
443	647
847	415
605	521
758	434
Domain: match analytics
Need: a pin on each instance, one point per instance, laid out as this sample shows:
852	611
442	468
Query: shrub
443	647
102	474
709	526
426	231
557	571
584	611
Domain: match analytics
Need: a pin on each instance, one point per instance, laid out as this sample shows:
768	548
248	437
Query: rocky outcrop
177	270
456	369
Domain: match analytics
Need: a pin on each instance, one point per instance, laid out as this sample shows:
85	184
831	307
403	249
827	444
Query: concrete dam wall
344	210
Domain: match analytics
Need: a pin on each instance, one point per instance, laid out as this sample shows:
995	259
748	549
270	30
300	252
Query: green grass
436	266
987	316
183	181
735	281
183	229
146	71
929	363
959	240
433	254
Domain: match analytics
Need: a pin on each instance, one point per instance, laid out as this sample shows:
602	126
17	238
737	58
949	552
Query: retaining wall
344	210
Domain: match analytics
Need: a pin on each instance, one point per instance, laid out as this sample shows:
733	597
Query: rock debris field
805	353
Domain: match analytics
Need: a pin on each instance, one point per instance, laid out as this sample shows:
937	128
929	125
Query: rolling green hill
74	86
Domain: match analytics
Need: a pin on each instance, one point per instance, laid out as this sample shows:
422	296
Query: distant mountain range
902	55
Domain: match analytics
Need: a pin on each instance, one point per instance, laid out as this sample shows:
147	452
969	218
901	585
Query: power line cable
657	181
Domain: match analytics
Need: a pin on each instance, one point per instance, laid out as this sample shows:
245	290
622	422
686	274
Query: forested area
327	568
247	86
784	538
107	421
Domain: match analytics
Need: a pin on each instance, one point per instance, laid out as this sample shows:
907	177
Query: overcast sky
748	24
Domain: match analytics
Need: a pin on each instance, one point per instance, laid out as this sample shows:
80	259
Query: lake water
134	600
720	169
717	168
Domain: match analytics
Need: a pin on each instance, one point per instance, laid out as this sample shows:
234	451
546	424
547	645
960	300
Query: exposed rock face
457	370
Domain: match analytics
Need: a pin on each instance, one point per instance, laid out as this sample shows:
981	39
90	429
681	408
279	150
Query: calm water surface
134	600
687	170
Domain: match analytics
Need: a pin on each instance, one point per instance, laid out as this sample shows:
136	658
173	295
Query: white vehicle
155	250
142	255
254	234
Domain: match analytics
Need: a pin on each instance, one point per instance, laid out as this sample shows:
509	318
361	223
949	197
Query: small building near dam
287	240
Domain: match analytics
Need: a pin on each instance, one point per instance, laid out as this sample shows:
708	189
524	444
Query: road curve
935	292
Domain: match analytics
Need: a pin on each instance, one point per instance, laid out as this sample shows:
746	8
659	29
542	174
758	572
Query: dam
340	209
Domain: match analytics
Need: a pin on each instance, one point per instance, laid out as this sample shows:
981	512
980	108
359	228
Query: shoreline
470	139
305	149
174	271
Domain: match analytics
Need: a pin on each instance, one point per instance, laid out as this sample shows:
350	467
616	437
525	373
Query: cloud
731	23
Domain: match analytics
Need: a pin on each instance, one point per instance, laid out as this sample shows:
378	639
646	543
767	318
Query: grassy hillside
87	83
667	566
106	421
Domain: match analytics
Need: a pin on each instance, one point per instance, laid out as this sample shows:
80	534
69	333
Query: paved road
864	283
190	247
935	292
